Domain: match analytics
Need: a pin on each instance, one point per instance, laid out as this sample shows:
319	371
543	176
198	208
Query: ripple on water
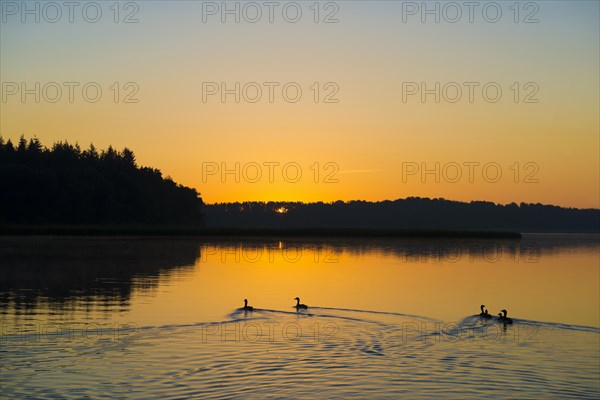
326	353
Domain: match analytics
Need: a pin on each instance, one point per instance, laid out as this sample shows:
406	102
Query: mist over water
161	318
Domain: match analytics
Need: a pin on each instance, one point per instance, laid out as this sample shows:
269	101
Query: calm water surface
160	318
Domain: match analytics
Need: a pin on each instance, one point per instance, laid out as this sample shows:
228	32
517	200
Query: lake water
159	318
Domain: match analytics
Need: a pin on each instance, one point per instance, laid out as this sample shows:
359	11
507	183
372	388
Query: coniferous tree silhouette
64	185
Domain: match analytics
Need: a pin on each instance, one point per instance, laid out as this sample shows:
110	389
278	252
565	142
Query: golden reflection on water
165	281
555	287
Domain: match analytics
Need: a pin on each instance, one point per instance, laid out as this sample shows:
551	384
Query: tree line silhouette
65	185
413	213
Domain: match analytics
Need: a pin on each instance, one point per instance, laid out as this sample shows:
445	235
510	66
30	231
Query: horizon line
400	198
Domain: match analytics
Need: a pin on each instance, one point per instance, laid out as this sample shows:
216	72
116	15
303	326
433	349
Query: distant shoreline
240	232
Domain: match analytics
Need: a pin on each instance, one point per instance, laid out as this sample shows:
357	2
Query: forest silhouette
65	186
411	214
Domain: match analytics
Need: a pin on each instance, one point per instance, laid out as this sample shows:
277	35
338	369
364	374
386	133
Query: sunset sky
542	134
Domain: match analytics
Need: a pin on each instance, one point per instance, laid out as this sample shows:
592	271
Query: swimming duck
246	306
503	318
484	313
298	305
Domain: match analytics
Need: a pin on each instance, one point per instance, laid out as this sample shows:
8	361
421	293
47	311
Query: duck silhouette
484	313
298	305
503	318
246	306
